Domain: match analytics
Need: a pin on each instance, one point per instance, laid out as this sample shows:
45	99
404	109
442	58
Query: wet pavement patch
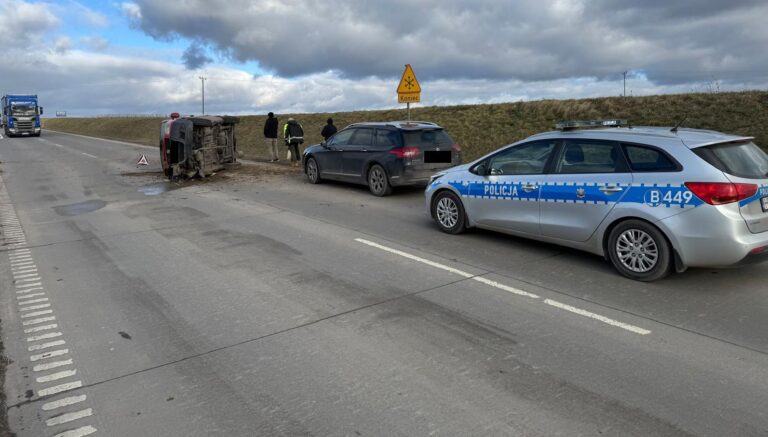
79	208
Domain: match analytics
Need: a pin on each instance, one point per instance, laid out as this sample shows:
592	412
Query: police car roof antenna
674	129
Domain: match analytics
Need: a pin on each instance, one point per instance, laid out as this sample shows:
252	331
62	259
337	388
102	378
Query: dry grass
482	128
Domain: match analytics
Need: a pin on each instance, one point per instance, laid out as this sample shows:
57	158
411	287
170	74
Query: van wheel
639	251
313	171
448	212
378	182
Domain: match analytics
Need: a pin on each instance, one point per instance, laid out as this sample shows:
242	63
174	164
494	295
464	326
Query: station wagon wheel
448	212
378	182
639	251
313	171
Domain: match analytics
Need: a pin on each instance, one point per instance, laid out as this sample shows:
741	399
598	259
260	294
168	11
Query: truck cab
21	115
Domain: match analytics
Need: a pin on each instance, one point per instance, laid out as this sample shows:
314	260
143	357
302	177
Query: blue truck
21	115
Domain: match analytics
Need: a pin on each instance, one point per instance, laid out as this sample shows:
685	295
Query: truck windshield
24	109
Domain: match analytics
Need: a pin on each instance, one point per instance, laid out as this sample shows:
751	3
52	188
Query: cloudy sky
90	57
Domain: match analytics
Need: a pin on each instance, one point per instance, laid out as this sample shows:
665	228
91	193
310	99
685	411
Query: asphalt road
257	304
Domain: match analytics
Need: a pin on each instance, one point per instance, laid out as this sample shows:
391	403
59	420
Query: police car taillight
406	152
721	193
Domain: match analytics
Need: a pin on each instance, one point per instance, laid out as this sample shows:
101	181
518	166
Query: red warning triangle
142	161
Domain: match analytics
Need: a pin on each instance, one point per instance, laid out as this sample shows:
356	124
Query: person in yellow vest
294	136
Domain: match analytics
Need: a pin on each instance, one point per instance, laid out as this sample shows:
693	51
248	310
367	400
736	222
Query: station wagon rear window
427	139
744	160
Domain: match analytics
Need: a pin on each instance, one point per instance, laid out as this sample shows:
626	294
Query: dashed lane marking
89	155
69	417
51	363
63	402
513	290
59	388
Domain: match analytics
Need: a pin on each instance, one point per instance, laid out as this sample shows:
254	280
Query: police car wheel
449	213
639	251
313	171
378	182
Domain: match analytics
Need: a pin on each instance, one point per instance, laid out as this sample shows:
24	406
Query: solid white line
415	258
44	336
34	307
89	155
23	298
56	376
41	328
52	365
36	313
50	344
59	388
50	354
505	287
79	432
38	321
603	319
27	302
64	402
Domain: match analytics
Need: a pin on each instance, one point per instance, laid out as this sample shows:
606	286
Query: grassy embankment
482	128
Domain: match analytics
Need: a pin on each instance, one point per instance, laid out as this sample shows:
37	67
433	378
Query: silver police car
649	199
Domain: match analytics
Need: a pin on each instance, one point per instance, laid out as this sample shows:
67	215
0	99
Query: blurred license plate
435	156
764	201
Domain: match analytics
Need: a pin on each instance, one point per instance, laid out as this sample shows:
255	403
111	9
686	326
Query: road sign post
409	90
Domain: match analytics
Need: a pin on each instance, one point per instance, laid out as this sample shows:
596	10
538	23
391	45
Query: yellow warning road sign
409	90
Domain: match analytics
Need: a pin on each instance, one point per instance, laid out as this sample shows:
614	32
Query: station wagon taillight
456	148
406	152
721	193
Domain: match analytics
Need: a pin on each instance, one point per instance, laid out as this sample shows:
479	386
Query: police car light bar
585	124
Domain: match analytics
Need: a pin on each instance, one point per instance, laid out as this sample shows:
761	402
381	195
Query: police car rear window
744	160
646	159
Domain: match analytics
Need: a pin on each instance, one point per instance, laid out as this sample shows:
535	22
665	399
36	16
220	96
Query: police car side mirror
480	170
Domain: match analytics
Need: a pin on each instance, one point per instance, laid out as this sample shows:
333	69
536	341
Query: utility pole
625	83
202	83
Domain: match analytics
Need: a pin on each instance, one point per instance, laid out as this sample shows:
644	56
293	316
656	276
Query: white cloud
131	10
95	42
62	44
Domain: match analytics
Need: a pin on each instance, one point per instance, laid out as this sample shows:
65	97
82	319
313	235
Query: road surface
257	304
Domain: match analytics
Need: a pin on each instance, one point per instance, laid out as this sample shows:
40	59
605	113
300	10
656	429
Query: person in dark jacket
329	129
294	135
270	136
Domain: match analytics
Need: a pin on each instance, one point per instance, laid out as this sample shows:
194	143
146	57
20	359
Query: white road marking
52	365
23	297
50	344
56	376
44	336
512	290
24	270
64	402
79	432
36	278
415	258
89	155
36	313
29	301
38	284
29	290
41	328
23	266
603	319
28	275
59	388
34	307
38	321
69	417
579	311
21	258
50	354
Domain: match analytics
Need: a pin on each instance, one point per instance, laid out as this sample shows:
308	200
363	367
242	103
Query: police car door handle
610	189
529	187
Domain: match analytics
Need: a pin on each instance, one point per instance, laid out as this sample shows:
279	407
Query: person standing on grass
294	135
270	136
328	130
